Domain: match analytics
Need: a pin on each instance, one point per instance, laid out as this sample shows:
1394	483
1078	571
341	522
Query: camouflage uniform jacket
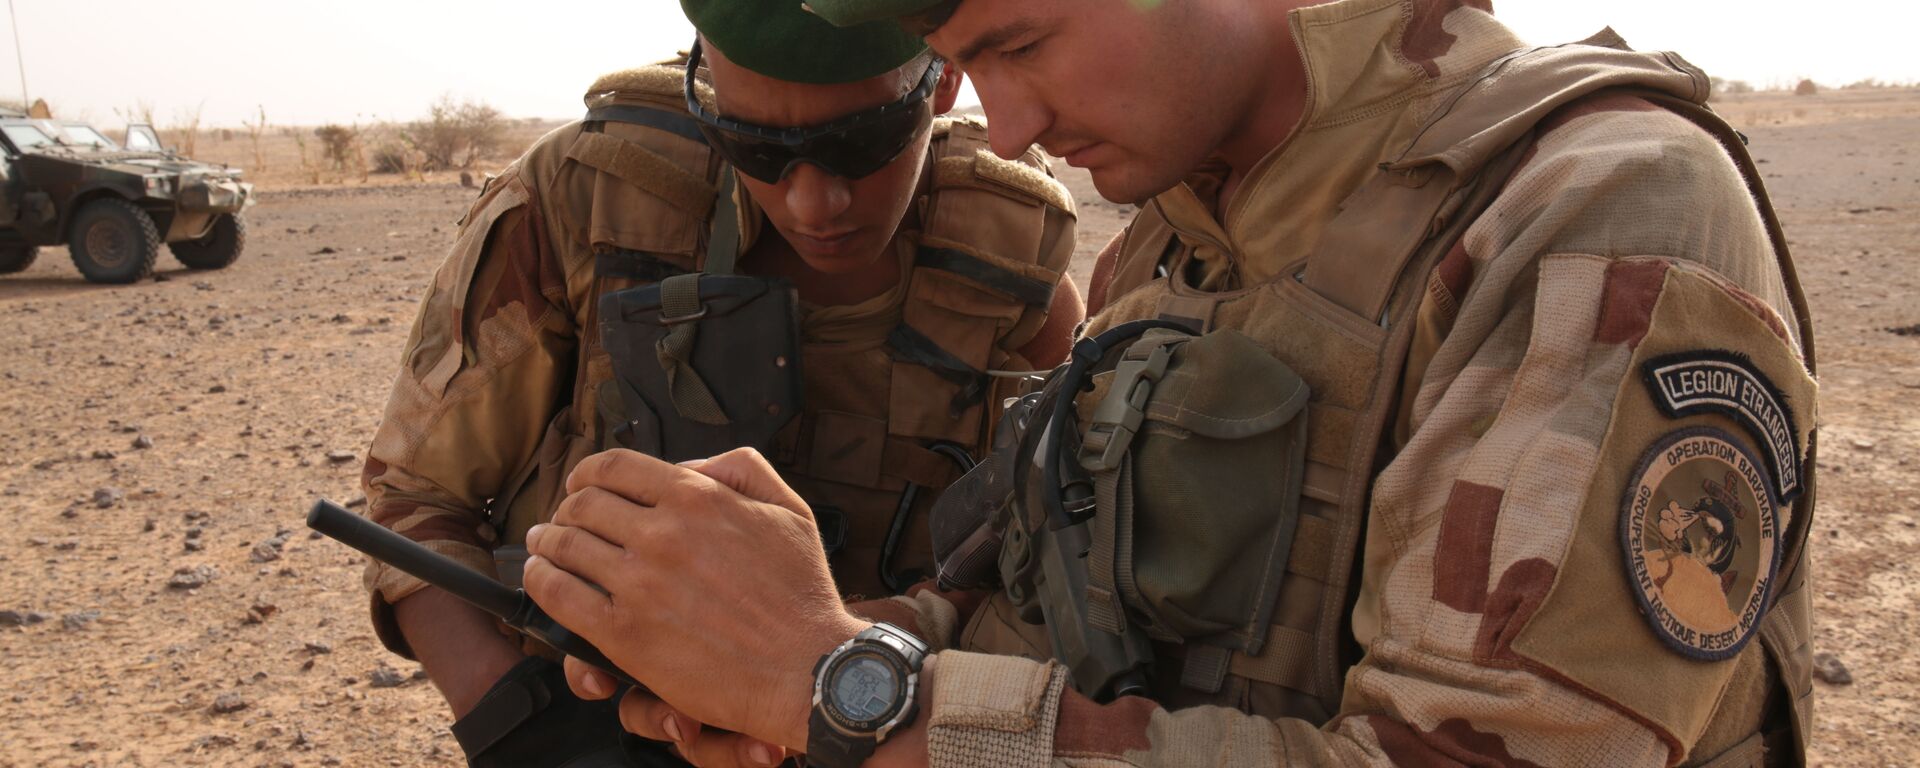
1574	521
499	392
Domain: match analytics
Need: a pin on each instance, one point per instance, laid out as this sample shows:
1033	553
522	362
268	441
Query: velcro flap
1207	392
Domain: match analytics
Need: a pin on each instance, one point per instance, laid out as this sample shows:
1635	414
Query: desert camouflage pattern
499	391
1494	620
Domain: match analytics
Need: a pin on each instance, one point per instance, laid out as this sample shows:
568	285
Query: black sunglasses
850	147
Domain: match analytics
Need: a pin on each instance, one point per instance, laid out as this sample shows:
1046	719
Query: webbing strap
677	124
1286	661
723	241
1103	598
680	300
1030	291
906	345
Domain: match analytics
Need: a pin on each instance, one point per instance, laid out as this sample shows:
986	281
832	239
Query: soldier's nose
816	198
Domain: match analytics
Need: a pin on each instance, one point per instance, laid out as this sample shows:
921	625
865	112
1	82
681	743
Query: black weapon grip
511	606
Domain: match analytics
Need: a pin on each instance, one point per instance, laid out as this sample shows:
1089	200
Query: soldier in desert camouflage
913	268
1512	306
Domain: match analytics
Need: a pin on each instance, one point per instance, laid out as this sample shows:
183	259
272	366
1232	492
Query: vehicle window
88	137
26	136
142	138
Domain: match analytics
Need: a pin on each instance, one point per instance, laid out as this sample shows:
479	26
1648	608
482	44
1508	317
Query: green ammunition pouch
1169	516
1196	450
703	364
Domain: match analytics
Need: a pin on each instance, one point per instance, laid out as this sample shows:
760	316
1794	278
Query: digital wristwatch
862	691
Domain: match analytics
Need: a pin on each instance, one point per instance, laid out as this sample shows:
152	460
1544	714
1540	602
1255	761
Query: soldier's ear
947	91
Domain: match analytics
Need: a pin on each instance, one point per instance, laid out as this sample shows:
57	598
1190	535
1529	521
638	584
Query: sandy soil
163	440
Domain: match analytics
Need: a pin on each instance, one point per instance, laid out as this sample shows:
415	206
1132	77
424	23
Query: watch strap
828	748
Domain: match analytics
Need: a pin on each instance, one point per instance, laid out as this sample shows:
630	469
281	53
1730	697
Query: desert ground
163	604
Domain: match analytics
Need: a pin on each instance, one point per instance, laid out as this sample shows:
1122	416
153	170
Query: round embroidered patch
1701	538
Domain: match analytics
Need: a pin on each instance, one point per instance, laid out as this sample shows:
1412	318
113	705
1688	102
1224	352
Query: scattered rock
79	620
261	610
1830	670
216	389
142	443
466	179
149	526
323	250
102	453
1863	444
269	550
11	618
341	456
1905	330
107	497
193	577
355	503
386	677
227	703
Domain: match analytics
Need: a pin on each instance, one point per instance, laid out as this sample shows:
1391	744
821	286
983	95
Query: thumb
746	471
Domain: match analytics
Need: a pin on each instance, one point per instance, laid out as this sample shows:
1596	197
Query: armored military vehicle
113	204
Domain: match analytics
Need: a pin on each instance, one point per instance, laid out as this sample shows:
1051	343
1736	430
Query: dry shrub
186	128
254	129
1806	88
1731	87
456	134
337	144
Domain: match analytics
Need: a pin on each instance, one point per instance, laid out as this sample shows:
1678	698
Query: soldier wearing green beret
854	262
1450	401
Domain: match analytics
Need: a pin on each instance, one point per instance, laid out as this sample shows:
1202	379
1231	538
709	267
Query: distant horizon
370	62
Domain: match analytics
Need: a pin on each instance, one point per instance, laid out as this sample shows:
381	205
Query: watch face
866	688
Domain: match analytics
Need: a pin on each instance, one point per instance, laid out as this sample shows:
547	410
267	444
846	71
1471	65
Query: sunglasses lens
865	148
764	160
856	152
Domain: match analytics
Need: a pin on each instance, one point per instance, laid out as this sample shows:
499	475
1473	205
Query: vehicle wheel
113	241
219	248
14	258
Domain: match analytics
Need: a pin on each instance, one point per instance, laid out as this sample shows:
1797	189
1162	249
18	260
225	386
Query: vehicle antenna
19	55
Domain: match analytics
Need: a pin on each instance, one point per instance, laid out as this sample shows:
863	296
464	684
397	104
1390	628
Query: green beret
780	39
847	13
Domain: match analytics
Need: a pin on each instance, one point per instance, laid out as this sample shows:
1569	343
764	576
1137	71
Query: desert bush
337	144
254	129
1806	88
1731	87
186	128
456	134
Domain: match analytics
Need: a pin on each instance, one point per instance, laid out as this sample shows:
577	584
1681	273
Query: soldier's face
835	224
1136	93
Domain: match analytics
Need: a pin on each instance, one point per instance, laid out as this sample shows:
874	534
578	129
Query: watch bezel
878	726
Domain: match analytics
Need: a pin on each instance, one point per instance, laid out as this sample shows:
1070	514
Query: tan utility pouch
1197	451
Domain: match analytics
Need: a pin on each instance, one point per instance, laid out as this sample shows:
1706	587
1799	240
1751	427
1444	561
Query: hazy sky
343	60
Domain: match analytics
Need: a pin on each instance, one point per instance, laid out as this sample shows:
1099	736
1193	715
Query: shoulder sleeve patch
1718	381
1700	533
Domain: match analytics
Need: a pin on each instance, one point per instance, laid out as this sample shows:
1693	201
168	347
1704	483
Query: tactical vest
894	405
1341	321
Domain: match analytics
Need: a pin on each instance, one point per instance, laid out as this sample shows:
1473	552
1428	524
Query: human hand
647	716
714	590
